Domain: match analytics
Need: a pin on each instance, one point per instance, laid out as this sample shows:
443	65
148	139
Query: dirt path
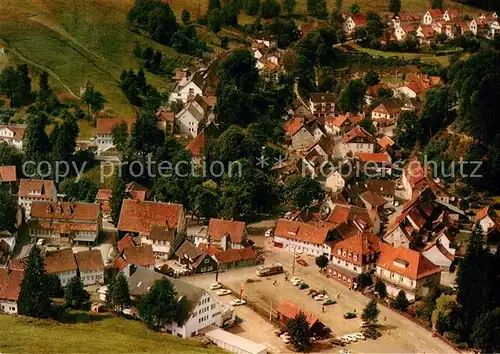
14	51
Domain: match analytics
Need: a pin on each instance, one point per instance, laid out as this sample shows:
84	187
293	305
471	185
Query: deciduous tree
370	313
301	191
186	16
159	306
270	9
298	329
321	261
381	288
353	96
117	196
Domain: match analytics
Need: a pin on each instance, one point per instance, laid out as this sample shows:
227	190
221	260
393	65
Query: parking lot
398	333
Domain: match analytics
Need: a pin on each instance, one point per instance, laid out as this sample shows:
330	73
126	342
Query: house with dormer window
352	257
31	190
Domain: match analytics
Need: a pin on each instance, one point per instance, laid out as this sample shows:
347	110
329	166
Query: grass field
97	334
75	41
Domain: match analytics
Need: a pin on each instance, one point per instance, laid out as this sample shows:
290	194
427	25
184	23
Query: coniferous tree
8	212
37	143
186	16
64	140
46	99
120	136
76	296
395	6
401	303
117	196
118	294
34	297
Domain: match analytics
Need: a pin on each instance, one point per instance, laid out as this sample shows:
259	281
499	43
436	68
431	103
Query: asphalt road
400	335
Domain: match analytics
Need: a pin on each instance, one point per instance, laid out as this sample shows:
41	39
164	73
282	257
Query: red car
302	262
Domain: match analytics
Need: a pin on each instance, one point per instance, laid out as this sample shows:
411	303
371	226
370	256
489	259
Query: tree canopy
371	312
302	191
298	329
118	294
34	297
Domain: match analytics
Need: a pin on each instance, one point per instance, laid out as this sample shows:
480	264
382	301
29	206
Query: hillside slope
75	41
101	334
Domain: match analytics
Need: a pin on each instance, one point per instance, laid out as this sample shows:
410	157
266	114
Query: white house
335	182
90	266
488	219
439	252
204	309
187	88
62	263
191	118
359	140
405	269
10	286
351	23
225	234
451	14
31	190
13	134
104	128
297	237
431	16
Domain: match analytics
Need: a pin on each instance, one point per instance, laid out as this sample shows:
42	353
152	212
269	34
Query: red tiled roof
126	242
359	19
301	231
481	214
197	145
219	227
453	13
44	187
436	13
417	266
8	174
361	245
339	214
139	216
390	106
105	125
293	125
139	255
290	310
89	260
60	261
373	90
65	210
10	283
207	248
373	198
235	255
103	194
385	142
356	132
377	157
165	115
408	16
336	121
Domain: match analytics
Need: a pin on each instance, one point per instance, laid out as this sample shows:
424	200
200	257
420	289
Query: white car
295	279
296	282
223	292
320	297
269	233
351	337
237	302
215	286
359	336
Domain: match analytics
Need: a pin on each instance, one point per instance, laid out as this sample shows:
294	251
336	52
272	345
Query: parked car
302	262
295	279
312	291
269	233
303	286
237	302
313	294
215	286
349	315
320	297
223	292
359	336
297	282
329	302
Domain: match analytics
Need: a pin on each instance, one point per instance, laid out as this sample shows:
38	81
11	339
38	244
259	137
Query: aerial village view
249	176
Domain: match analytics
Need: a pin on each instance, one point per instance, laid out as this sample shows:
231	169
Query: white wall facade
299	247
92	277
8	306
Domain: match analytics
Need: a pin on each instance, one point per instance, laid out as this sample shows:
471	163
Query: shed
235	344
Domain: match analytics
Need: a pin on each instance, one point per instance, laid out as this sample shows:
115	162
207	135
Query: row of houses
426	26
448	23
